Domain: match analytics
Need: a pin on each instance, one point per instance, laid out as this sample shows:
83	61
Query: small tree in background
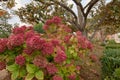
5	27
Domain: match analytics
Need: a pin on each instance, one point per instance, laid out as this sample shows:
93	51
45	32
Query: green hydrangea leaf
39	75
31	68
29	76
13	68
14	75
74	54
22	72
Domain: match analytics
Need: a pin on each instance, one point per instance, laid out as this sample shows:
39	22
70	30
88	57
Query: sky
21	3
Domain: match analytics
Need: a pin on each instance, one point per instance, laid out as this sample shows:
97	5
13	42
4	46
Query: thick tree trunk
81	22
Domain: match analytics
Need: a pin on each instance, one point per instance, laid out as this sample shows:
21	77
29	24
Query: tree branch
80	5
67	8
90	5
86	5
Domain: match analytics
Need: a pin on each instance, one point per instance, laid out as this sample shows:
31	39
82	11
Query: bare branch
65	7
90	5
80	5
87	5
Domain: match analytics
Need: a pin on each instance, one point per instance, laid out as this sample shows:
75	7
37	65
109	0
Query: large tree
39	10
106	18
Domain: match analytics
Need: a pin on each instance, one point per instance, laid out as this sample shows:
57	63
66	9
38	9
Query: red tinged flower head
19	30
93	57
20	60
89	45
81	39
62	48
2	48
29	34
3	44
57	77
67	38
72	77
28	51
84	45
78	33
49	22
2	65
15	40
60	56
55	42
67	29
56	20
30	28
78	67
47	48
3	41
45	27
40	61
35	42
51	69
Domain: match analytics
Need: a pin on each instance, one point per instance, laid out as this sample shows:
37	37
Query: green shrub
111	42
113	46
117	73
111	62
39	28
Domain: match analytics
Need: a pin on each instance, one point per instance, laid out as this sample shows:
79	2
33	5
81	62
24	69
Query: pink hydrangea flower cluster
54	20
40	61
3	44
20	60
83	42
51	68
67	38
19	30
57	77
15	40
66	28
55	42
47	48
35	42
28	51
60	56
93	57
72	77
29	34
2	65
47	51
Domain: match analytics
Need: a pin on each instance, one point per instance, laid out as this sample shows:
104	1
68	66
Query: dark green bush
111	62
113	46
39	28
111	42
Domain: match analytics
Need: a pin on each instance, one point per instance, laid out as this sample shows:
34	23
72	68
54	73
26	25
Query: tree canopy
107	17
40	10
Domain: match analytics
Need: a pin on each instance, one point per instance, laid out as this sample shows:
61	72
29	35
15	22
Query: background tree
5	27
40	10
106	18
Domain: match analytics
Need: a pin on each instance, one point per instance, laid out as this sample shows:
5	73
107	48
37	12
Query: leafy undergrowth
92	71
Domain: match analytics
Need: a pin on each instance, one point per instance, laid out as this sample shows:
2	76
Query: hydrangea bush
55	55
